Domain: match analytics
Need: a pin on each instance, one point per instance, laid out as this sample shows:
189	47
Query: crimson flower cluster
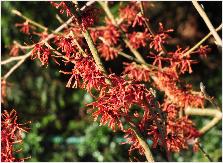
179	131
26	27
117	96
11	134
42	52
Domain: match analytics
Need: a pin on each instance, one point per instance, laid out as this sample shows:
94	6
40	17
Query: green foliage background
61	130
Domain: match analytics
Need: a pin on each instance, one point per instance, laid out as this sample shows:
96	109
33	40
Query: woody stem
94	51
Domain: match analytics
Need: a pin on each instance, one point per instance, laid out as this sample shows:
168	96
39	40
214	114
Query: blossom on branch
11	134
63	8
25	27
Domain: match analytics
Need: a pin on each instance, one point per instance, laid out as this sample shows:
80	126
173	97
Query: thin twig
147	23
207	22
11	59
16	12
205	112
201	41
50	36
144	145
16	65
205	153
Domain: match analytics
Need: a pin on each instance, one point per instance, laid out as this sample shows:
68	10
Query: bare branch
205	112
201	41
16	65
207	22
21	59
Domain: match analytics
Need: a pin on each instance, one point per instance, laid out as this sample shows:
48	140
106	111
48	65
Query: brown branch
16	12
207	22
216	114
201	41
21	59
16	65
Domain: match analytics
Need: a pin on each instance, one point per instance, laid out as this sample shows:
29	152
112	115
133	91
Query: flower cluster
11	134
129	13
115	103
123	102
86	69
108	38
160	38
139	39
63	8
42	53
167	82
179	131
136	72
25	27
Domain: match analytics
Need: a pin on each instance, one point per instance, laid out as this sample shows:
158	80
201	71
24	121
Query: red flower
63	7
41	52
204	50
139	39
136	72
116	102
139	19
14	50
86	70
95	34
178	61
11	134
110	33
179	132
160	38
166	81
66	45
158	60
108	52
25	27
129	12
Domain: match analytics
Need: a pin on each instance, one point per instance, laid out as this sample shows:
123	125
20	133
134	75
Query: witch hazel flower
62	7
129	12
41	52
117	101
85	74
166	81
25	27
11	134
108	52
136	72
160	38
179	62
139	39
139	20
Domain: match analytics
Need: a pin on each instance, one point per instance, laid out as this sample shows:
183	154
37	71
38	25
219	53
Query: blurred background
61	130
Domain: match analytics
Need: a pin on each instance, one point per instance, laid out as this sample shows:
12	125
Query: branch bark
207	22
216	114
